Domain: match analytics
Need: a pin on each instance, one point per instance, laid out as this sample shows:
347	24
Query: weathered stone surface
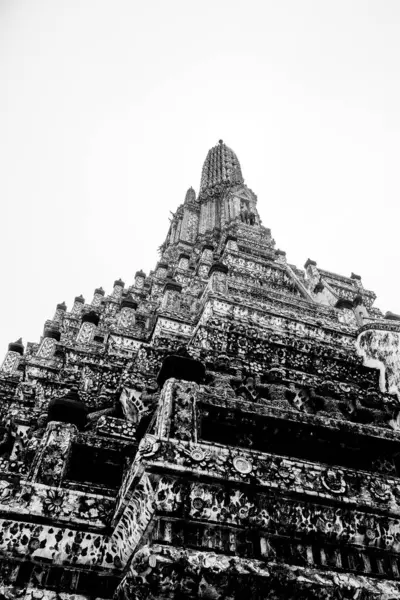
225	427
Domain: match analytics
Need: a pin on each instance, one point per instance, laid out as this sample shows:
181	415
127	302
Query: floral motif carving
271	472
333	481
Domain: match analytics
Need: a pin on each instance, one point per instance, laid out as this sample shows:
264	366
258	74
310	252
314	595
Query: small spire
221	169
190	196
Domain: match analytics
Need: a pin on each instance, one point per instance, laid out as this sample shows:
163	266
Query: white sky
108	109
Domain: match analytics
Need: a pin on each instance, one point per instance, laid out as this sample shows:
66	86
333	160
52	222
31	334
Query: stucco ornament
242	465
379	346
380	490
209	430
198	454
148	446
334	481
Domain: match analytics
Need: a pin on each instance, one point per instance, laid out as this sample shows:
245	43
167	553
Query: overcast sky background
108	109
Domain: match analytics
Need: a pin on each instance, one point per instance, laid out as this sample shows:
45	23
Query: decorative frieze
225	427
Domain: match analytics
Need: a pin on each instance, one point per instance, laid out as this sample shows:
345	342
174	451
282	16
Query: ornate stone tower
225	427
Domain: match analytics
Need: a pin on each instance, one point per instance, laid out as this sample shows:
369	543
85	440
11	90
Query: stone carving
378	344
224	427
333	481
242	465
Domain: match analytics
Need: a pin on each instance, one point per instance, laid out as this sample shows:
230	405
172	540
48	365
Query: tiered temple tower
225	427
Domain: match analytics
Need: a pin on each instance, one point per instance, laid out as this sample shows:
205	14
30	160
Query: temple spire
221	169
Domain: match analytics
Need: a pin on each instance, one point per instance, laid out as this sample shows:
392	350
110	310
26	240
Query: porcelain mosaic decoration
224	427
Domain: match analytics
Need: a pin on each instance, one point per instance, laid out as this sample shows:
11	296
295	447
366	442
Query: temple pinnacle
220	169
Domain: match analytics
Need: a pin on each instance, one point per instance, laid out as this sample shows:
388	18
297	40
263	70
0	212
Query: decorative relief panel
86	333
10	362
46	348
270	470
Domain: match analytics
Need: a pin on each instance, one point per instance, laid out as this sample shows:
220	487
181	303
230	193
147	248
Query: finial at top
17	346
190	196
221	169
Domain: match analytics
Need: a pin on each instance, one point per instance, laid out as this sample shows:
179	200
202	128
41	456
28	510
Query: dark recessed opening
298	440
99	466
